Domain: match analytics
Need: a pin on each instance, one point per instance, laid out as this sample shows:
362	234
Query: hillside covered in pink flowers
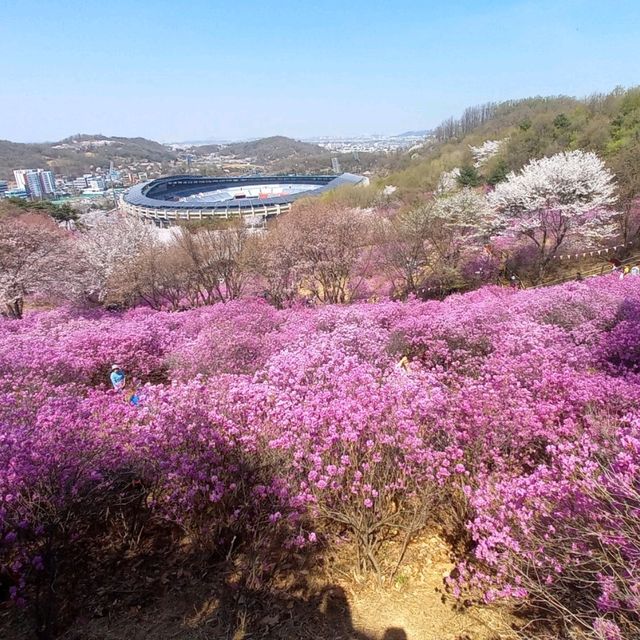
514	431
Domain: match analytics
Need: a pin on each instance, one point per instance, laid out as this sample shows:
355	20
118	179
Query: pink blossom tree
35	256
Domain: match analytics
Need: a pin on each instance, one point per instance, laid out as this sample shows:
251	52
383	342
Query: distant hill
79	154
265	150
204	149
282	155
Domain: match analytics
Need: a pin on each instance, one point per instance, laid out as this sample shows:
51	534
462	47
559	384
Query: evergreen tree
561	122
498	173
469	176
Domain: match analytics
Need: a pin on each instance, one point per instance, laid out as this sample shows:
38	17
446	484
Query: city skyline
211	70
314	139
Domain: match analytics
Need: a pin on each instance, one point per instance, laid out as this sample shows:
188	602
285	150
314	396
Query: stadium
186	197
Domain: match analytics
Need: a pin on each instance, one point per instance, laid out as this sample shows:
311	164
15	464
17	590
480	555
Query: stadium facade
169	200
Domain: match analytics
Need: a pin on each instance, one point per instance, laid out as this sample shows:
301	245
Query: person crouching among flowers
117	377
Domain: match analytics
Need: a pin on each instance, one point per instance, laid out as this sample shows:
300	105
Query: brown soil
181	601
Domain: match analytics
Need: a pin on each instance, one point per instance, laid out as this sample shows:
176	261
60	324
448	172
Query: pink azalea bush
260	429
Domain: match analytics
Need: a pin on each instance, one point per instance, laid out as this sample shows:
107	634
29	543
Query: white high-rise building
19	175
34	187
48	182
37	182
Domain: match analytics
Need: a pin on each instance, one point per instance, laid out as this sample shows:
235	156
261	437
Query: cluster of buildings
373	143
42	184
30	183
87	184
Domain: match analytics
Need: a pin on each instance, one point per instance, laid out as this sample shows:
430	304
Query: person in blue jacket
118	378
131	396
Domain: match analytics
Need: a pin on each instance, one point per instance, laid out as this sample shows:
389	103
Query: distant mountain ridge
79	154
420	133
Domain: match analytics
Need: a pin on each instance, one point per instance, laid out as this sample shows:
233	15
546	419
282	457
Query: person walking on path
117	377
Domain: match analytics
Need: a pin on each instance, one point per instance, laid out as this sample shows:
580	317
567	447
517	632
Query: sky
187	70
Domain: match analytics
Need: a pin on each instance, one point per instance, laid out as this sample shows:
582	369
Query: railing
596	270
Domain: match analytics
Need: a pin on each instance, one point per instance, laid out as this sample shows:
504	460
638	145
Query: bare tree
271	259
402	247
216	261
427	242
159	276
326	243
625	166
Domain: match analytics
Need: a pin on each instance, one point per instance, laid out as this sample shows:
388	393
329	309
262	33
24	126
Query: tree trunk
14	308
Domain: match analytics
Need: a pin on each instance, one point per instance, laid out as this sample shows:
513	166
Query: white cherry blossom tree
111	245
448	181
565	196
485	152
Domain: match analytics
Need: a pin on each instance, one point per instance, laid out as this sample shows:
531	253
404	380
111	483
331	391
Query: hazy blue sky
195	69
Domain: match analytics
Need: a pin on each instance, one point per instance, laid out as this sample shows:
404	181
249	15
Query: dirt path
319	601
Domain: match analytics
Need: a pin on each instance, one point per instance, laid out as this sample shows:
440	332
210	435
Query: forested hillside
608	124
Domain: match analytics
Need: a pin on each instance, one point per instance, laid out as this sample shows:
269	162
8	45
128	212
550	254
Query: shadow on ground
207	609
